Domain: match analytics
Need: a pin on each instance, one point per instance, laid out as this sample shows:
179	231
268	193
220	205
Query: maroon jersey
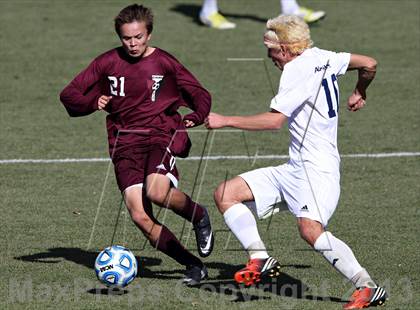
146	94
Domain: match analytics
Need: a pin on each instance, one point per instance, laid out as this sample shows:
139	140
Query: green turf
48	210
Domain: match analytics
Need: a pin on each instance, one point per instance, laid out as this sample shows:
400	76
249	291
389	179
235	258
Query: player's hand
214	121
356	101
188	123
103	101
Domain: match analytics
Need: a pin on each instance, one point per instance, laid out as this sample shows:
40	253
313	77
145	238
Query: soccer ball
116	266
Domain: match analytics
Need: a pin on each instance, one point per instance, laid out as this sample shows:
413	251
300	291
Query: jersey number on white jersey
331	112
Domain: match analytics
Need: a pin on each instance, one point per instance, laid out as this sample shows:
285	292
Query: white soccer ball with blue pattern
116	266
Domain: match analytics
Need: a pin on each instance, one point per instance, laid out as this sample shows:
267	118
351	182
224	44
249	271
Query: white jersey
308	95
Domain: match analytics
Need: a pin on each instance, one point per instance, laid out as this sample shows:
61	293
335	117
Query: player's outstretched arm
263	121
367	69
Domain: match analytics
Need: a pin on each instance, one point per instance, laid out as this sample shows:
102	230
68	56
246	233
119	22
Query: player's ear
149	36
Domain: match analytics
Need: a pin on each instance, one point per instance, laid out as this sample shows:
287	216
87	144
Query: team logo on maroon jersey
155	87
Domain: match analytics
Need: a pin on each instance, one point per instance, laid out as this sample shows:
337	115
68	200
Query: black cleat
204	235
194	275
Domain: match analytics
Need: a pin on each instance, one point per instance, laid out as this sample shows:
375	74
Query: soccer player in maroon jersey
141	87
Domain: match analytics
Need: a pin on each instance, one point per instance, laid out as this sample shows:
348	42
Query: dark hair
133	13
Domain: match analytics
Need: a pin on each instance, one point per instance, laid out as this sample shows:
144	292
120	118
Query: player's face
278	57
134	38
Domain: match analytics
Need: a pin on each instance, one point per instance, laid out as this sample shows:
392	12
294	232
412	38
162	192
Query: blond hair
290	31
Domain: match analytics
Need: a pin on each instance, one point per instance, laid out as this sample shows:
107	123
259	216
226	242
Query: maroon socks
170	245
192	211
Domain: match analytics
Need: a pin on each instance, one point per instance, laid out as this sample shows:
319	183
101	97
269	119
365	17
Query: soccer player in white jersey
310	181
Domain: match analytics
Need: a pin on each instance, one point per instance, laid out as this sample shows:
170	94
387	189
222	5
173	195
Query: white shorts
316	199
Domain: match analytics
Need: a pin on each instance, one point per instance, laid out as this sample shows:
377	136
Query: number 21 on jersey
331	112
116	85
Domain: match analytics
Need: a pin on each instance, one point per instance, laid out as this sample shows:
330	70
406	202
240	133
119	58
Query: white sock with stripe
338	254
241	222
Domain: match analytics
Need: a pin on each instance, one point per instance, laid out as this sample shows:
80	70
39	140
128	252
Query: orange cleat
367	297
256	269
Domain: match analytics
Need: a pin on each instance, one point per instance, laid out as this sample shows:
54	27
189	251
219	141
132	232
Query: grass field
49	209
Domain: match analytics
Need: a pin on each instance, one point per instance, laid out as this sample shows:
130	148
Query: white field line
193	158
245	59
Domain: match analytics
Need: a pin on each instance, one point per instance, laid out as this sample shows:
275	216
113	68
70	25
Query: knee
221	197
231	192
305	233
157	188
141	219
218	194
156	195
310	231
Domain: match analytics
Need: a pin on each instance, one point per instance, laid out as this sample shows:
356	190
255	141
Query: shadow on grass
226	271
284	285
87	259
107	291
223	284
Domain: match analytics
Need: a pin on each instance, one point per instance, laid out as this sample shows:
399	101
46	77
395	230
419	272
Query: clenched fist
103	101
214	121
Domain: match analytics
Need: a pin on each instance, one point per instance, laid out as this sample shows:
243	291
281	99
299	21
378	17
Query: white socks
338	254
242	223
208	8
363	279
289	7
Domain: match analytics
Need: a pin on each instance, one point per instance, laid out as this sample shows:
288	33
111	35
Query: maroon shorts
132	166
